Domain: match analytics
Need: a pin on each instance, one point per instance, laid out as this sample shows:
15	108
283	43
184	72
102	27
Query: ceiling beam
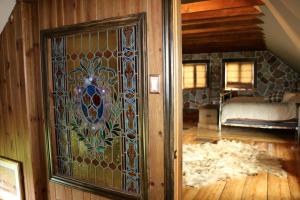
222	29
217	5
251	42
224	38
233	12
222	19
194	50
190	1
216	34
223	24
225	46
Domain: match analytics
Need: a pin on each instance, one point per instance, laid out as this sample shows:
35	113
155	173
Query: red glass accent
103	164
74	56
112	166
96	99
107	54
90	55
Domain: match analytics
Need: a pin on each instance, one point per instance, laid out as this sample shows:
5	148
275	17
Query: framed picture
11	180
95	89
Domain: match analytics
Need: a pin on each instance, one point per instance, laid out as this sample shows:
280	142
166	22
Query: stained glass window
95	112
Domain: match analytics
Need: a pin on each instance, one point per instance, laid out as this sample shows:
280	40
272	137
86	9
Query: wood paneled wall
21	119
21	107
57	13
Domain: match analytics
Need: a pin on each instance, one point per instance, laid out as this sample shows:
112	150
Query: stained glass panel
95	81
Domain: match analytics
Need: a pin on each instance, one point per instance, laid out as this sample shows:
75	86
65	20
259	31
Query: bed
257	112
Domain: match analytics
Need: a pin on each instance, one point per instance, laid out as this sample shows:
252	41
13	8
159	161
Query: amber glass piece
102	41
70	45
85	43
108	154
113	63
112	39
94	42
108	177
77	44
92	174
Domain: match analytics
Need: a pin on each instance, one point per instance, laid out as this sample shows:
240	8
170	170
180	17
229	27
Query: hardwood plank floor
262	186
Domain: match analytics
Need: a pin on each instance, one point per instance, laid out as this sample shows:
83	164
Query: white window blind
188	76
201	75
239	75
194	75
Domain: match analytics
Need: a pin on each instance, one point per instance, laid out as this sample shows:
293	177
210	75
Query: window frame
223	79
195	63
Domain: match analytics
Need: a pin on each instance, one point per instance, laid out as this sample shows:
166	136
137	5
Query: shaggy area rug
207	163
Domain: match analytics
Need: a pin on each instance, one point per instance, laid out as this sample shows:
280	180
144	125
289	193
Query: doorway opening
233	147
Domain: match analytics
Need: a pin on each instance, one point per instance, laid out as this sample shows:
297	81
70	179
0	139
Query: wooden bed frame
295	125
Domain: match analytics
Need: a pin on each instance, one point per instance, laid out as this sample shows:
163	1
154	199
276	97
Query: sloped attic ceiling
6	7
276	22
282	29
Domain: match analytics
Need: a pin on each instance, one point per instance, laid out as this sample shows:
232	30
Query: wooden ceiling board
232	12
191	50
220	39
217	5
221	29
224	33
191	1
236	42
223	19
222	24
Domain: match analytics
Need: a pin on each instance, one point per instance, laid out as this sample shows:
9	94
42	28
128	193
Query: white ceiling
6	6
282	29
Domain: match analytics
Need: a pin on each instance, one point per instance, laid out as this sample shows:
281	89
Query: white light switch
154	84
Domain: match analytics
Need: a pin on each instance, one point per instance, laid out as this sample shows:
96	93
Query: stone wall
272	75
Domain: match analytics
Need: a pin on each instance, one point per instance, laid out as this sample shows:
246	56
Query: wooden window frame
195	63
224	61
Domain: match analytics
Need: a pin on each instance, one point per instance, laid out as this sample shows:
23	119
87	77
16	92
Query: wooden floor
261	186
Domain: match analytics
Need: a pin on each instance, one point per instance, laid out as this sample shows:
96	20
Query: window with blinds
194	75
239	75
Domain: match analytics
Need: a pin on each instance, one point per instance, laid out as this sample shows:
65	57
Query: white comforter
257	109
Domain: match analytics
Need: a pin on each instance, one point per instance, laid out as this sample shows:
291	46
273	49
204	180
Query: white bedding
257	109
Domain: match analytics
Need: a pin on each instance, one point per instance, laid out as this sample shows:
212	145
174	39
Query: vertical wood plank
52	192
77	195
69	12
92	10
156	136
68	193
60	12
53	11
80	11
34	105
86	196
60	192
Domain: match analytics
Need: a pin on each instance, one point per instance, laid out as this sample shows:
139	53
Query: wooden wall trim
168	102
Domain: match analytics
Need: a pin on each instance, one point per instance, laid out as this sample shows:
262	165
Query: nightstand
208	117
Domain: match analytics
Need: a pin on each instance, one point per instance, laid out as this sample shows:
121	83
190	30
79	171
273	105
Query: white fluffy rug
207	163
